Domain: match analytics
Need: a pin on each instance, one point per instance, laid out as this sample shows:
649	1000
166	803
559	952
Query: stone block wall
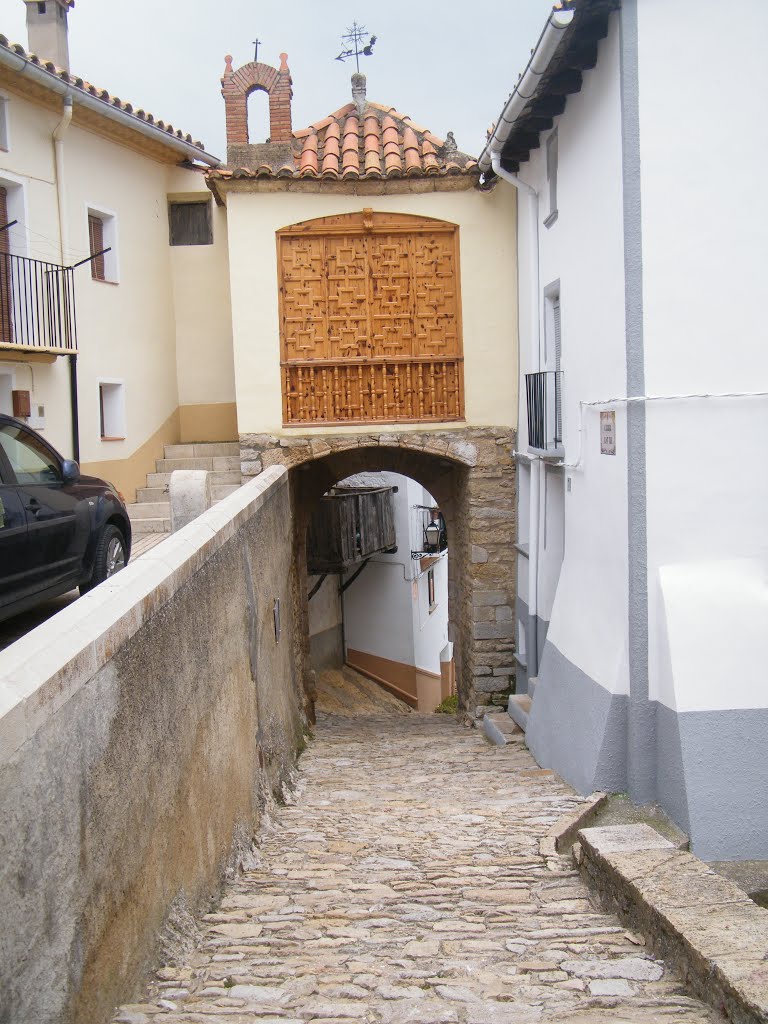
142	731
471	474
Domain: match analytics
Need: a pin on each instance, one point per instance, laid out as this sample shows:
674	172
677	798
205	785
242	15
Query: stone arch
471	475
237	86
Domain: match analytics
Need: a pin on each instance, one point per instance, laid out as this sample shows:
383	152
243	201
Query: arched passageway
470	473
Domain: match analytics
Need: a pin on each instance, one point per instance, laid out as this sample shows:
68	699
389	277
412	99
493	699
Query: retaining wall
142	730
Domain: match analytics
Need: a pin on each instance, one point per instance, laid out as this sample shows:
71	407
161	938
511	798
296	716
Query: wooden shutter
96	243
190	223
370	320
6	305
556	331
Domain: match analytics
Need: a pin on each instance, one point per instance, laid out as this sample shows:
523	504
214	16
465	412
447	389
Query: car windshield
30	460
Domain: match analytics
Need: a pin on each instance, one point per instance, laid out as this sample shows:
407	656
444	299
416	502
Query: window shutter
5	272
556	330
96	242
190	223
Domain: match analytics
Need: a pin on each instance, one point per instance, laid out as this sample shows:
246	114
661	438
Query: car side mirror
70	471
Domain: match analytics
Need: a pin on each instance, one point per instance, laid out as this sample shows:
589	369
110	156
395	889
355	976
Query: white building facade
642	546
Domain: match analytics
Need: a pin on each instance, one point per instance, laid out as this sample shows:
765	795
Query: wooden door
370	320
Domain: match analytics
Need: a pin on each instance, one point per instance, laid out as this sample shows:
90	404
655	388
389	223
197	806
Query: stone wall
143	729
471	474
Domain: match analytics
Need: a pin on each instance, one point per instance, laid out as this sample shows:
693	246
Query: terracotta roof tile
368	140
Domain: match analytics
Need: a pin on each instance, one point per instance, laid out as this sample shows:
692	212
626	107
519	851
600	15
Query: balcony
37	307
348	526
545	422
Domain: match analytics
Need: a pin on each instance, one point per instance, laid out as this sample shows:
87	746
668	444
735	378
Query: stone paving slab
404	885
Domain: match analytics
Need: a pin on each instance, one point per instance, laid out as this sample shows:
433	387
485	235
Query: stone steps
500	729
519	708
151	513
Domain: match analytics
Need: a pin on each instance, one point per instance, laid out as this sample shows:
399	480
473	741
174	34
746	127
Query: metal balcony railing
37	305
545	423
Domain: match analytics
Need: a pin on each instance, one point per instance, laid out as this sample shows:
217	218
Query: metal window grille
544	396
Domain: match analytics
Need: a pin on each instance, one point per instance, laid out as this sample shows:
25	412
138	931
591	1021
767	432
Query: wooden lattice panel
370	320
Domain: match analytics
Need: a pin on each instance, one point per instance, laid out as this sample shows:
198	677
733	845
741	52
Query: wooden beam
583	59
564	83
548	106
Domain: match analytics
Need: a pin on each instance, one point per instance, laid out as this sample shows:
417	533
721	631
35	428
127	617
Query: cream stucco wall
160	327
200	278
488	293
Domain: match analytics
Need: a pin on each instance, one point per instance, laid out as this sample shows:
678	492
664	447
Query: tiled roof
362	140
100	94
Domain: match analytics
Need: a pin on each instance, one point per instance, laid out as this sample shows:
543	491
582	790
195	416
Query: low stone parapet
143	729
714	936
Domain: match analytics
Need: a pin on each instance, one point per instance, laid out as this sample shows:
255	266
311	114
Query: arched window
258	116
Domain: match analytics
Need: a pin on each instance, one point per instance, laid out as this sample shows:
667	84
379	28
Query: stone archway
471	474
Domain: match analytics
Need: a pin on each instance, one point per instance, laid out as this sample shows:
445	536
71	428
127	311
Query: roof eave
24	66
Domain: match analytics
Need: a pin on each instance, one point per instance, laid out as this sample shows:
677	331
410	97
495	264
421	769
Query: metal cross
256	43
351	44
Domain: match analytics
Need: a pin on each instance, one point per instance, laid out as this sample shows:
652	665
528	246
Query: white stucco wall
386	610
704	256
488	293
585	600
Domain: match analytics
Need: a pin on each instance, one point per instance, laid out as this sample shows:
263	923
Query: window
190	223
4	143
29	458
431	589
553	349
102	244
552	178
112	410
41	7
96	246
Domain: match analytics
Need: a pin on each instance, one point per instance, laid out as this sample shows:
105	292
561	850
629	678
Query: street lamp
432	535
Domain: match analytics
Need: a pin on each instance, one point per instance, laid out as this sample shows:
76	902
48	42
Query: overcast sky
449	65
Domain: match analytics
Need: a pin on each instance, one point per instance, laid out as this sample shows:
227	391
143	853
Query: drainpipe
532	654
58	156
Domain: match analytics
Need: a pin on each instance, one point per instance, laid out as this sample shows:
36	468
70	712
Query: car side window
30	460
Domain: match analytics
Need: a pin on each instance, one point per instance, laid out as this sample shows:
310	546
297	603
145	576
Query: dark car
58	528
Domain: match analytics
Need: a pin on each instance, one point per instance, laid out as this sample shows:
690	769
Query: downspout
58	156
532	654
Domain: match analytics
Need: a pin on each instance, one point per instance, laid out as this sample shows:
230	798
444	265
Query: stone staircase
151	513
503	728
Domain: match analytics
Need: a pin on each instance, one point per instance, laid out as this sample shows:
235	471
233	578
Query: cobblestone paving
404	886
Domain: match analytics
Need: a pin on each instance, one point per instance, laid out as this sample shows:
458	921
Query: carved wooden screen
370	320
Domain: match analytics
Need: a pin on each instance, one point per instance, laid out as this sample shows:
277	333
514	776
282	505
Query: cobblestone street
404	884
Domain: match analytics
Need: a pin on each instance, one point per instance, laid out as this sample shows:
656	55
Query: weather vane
351	44
256	43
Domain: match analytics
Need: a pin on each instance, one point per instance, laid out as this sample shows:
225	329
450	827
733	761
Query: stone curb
700	923
563	832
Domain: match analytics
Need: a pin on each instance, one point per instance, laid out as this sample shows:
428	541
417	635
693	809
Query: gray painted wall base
712	779
535	631
577	728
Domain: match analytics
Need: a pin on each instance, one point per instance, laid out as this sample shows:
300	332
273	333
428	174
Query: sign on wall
608	433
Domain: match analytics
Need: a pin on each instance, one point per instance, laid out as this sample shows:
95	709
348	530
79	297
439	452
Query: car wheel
110	557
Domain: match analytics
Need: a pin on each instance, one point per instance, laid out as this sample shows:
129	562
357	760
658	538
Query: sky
448	68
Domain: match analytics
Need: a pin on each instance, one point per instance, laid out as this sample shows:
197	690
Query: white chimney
47	30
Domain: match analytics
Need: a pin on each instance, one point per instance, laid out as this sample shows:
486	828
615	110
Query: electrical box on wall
22	404
37	417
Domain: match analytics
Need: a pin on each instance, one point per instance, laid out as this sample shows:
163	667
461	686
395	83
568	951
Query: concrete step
532	686
151	494
157	524
203	449
219	477
500	729
519	708
217	464
149	510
